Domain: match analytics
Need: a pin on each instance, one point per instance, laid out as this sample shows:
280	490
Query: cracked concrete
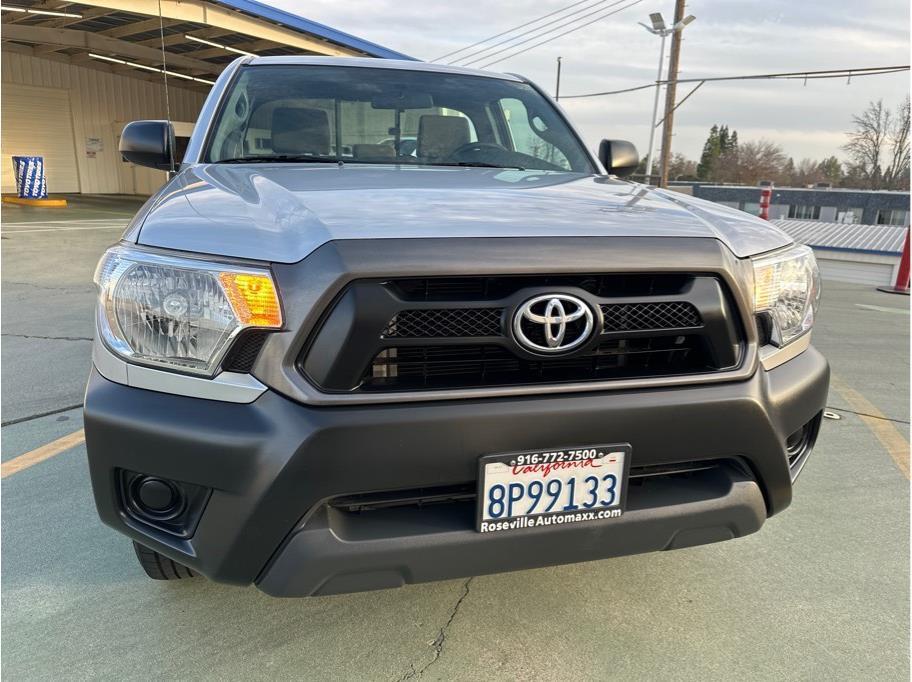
48	317
44	287
440	640
49	338
837	408
39	415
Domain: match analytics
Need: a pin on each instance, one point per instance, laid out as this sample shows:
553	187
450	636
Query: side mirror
148	143
619	157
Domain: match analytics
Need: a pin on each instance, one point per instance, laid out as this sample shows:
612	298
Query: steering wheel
475	147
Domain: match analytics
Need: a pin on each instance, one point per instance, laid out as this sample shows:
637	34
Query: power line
849	75
510	30
794	75
559	35
612	92
681	101
543	33
836	73
532	30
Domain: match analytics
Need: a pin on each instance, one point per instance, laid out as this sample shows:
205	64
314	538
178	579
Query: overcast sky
729	37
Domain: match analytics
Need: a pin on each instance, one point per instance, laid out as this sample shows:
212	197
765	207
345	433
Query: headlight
787	290
179	313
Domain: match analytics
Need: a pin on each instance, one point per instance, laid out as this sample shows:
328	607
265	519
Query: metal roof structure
293	21
200	36
884	240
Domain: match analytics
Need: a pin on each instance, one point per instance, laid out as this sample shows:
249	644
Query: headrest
439	136
298	130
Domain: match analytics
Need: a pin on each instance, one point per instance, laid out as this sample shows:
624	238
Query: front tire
159	567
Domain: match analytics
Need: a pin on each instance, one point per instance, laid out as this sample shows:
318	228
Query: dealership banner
30	180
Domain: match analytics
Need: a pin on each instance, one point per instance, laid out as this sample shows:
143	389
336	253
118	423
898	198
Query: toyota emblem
553	323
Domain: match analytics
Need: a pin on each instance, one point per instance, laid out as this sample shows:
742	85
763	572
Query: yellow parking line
55	447
888	435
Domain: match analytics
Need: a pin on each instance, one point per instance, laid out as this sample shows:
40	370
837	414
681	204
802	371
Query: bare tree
807	172
753	162
896	175
880	137
681	168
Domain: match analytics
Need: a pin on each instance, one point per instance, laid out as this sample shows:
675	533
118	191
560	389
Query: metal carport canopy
200	36
284	18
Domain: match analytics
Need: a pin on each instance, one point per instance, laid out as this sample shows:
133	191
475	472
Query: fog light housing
153	502
798	445
156	497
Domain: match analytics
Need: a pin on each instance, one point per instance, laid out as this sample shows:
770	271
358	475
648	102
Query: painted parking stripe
37	455
882	428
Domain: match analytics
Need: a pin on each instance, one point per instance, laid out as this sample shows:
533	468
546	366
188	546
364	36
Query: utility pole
670	94
557	87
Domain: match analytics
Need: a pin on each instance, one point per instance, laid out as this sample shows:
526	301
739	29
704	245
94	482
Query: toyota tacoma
391	322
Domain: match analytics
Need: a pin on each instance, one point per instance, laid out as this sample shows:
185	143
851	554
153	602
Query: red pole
902	275
766	195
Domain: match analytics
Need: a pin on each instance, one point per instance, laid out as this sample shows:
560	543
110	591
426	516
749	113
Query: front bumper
274	466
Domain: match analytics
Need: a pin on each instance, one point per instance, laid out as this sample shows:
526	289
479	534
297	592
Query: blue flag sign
30	180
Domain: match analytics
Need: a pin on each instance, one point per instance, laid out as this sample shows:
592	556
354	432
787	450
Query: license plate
547	487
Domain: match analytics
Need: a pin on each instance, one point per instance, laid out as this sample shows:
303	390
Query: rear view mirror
619	157
402	100
148	143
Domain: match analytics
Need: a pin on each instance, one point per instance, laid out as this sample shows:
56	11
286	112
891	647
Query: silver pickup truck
392	322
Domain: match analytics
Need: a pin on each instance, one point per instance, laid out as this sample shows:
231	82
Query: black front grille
445	323
475	322
414	497
427	367
624	317
449	333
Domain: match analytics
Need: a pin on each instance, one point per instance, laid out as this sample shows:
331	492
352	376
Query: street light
658	22
659	28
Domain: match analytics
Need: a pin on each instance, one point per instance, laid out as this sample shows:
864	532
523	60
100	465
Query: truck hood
281	213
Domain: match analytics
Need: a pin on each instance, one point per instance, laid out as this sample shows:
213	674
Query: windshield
365	115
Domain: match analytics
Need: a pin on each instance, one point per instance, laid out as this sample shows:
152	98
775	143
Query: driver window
526	134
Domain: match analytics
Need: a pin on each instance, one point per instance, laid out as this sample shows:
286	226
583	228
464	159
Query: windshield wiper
477	164
279	158
310	158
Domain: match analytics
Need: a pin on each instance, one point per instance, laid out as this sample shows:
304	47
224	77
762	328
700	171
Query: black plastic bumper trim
343	552
272	462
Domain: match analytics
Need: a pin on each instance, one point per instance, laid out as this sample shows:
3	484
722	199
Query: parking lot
821	592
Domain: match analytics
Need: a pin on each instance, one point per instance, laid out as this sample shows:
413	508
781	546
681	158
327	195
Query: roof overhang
193	39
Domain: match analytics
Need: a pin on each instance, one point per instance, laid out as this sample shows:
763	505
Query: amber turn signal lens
253	298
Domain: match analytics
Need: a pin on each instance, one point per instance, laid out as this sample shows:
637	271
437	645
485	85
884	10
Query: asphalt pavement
821	592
